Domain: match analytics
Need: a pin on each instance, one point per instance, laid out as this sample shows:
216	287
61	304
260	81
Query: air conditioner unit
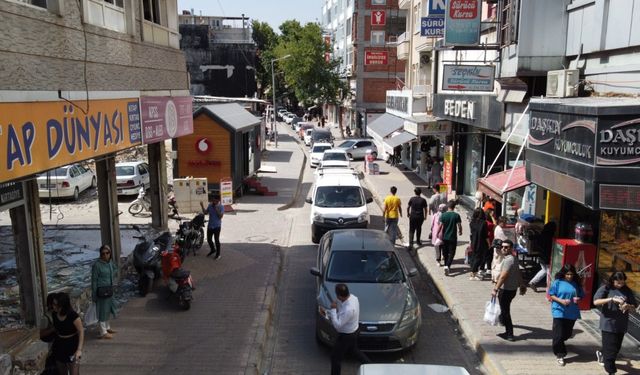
562	83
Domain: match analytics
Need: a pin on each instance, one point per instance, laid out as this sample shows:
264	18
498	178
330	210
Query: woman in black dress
70	335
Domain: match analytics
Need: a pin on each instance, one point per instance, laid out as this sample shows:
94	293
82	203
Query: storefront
477	121
587	151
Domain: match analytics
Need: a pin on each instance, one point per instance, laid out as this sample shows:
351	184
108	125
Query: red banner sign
448	167
376	57
378	18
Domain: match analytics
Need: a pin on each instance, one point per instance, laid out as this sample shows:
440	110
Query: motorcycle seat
180	273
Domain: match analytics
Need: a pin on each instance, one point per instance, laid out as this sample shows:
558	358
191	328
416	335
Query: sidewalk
531	352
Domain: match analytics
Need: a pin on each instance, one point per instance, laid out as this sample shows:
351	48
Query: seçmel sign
376	57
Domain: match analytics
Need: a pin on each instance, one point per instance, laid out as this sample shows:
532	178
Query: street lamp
274	130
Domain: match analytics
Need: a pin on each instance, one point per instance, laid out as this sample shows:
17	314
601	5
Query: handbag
105	291
492	312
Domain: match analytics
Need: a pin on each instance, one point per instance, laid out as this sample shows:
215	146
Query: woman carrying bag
103	274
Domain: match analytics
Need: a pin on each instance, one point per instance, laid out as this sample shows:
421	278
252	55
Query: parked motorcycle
191	233
142	203
178	279
147	259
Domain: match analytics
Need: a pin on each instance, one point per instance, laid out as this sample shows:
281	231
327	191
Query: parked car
65	182
302	126
130	176
335	158
315	155
357	148
307	136
365	260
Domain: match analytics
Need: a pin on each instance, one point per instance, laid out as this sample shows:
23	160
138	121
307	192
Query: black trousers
345	343
415	226
448	251
215	233
505	297
561	332
479	258
611	343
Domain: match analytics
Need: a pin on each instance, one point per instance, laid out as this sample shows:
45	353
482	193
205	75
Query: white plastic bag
492	312
91	316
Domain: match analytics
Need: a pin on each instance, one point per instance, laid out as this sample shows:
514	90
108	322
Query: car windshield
125	171
339	196
58	172
347	144
318	149
364	267
335	156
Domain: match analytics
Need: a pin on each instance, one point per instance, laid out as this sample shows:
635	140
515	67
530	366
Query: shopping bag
492	312
91	316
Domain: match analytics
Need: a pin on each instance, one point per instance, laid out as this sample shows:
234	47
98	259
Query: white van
337	202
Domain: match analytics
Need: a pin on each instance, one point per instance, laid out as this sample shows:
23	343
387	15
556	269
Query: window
377	37
509	25
348	27
118	3
38	3
416	19
378	2
152	11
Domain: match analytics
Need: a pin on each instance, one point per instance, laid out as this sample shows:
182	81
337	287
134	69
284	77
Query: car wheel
93	182
315	238
76	193
350	156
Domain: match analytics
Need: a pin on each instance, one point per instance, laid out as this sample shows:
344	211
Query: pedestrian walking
498	236
436	234
392	211
616	301
104	275
436	199
216	211
479	242
506	288
565	293
449	220
70	335
436	172
544	259
344	317
417	212
48	335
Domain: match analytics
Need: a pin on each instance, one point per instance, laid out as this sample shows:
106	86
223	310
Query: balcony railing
404	4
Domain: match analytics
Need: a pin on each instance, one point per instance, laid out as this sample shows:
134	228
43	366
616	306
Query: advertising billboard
462	23
165	117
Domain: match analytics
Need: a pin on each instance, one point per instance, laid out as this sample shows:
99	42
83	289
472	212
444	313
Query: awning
384	125
511	89
497	184
400	138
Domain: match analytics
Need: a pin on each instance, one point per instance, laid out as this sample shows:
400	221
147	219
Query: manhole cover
257	239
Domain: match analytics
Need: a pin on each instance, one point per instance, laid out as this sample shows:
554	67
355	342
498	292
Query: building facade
76	78
362	34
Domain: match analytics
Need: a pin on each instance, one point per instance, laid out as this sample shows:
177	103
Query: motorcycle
147	259
178	279
142	203
191	234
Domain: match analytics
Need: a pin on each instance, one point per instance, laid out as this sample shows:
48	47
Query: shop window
619	247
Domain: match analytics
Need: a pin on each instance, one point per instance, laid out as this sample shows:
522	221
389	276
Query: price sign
226	191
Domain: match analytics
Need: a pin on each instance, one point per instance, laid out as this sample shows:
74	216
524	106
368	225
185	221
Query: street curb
457	314
256	360
299	184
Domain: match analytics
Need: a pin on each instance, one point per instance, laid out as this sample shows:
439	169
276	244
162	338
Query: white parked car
66	182
335	158
409	369
130	176
307	136
315	155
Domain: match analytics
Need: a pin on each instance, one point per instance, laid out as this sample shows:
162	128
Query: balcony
426	92
424	43
404	4
402	46
160	35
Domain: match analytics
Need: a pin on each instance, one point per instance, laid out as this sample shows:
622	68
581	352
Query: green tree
266	39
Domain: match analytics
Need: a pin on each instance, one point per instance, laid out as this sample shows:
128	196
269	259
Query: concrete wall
43	51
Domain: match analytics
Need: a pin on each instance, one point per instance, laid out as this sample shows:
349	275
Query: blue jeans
391	228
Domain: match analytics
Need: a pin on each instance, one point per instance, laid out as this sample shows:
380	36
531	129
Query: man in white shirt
344	317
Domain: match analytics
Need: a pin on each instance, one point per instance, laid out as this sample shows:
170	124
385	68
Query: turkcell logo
436	8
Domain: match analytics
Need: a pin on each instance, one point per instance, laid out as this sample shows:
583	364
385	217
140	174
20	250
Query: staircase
254	186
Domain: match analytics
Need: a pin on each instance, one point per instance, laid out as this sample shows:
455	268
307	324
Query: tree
266	39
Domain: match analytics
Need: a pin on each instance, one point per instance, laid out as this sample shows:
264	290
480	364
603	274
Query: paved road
294	349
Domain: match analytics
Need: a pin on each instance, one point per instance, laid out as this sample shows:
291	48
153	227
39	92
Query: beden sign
460	108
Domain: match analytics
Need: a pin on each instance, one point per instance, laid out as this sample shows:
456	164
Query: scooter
147	259
191	234
178	279
142	203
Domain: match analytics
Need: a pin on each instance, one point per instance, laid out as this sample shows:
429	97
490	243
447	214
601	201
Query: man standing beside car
344	317
216	212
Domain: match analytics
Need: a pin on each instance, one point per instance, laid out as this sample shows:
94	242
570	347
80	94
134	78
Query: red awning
497	184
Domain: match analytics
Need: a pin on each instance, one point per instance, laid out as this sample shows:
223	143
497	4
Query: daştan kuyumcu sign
462	23
38	136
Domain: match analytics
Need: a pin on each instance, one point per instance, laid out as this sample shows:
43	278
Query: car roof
346	178
336	151
129	163
322	144
360	239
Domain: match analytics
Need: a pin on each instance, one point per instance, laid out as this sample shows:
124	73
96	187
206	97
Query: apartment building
362	34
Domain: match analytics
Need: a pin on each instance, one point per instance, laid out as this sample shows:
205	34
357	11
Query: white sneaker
560	361
446	271
599	358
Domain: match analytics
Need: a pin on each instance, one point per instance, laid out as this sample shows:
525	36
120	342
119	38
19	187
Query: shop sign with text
165	117
565	136
432	27
376	57
447	174
618	142
436	8
38	136
467	77
462	23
